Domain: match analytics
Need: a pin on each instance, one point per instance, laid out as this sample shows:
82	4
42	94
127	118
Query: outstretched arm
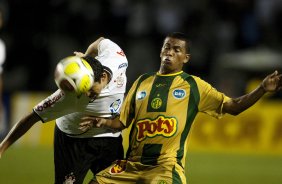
271	83
18	131
92	49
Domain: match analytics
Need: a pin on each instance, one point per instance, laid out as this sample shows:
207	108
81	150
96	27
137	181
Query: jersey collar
171	74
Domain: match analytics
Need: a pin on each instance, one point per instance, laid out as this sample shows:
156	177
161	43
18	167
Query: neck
169	74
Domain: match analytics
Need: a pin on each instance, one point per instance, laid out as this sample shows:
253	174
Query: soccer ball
74	74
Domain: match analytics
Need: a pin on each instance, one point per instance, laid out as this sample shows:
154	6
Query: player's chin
91	94
166	66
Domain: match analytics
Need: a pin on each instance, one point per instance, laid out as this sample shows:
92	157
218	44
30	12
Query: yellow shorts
127	172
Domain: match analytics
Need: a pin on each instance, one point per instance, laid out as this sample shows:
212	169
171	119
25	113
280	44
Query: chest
162	95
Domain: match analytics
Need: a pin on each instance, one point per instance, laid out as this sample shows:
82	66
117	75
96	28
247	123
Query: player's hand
88	122
79	54
69	179
272	82
101	122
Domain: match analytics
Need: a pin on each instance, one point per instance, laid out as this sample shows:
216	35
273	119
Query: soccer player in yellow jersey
161	108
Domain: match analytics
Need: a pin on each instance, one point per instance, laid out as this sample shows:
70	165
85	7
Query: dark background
234	44
38	33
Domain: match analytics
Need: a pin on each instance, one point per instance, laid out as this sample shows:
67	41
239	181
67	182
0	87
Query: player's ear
105	77
187	58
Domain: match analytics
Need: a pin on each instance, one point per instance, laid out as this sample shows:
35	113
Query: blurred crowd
38	34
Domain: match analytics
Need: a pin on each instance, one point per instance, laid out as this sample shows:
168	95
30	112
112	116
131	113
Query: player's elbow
232	108
234	113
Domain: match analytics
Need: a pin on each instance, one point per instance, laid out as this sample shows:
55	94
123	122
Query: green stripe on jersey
132	106
192	111
159	94
175	177
151	153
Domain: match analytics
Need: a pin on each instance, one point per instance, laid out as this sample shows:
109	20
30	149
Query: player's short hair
109	72
96	66
180	36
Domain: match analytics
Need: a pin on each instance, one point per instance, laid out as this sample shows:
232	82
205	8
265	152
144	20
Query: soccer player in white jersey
78	150
3	126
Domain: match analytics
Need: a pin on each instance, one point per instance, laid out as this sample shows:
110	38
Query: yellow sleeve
127	112
211	100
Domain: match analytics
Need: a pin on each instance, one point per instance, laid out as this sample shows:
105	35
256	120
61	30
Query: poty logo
162	126
179	93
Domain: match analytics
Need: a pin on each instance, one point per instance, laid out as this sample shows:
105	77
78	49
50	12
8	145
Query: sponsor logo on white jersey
114	107
122	65
120	81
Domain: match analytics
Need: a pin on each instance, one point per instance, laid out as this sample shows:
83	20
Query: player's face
98	86
95	90
173	56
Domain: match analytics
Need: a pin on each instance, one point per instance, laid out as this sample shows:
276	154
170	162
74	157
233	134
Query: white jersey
111	56
68	109
2	55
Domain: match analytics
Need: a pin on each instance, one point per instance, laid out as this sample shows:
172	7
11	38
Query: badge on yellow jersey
119	167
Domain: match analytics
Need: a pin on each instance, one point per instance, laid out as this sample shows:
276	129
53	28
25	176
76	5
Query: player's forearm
92	50
18	131
115	123
240	104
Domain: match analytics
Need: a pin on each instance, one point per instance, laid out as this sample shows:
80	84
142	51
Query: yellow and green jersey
161	109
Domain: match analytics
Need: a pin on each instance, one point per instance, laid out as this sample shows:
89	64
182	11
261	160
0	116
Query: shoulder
196	81
142	78
109	51
145	76
199	80
106	43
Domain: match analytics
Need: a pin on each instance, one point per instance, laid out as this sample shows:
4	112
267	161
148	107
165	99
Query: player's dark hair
96	66
180	36
109	72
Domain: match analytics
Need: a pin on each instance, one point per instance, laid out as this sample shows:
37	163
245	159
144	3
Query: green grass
233	169
27	166
34	165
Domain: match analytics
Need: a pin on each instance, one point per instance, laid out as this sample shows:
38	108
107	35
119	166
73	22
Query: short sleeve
211	100
128	107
